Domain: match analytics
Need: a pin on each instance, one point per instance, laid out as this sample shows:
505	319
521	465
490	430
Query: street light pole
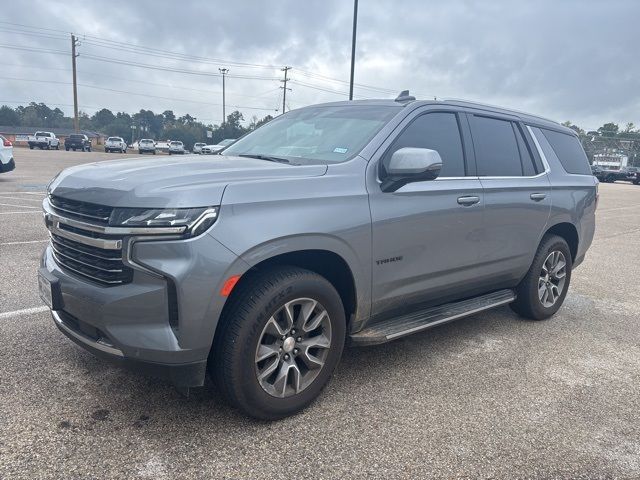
224	72
353	47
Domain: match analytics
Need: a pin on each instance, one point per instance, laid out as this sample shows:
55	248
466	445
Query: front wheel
280	341
544	288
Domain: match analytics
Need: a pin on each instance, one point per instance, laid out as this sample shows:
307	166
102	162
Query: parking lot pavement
487	396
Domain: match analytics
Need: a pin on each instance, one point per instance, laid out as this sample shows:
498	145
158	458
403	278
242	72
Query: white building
610	161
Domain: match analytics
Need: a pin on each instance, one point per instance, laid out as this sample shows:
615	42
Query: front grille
101	266
81	210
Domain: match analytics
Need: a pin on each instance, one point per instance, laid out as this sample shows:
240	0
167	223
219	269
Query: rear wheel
544	288
280	341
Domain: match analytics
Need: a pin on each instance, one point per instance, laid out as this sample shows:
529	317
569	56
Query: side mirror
409	165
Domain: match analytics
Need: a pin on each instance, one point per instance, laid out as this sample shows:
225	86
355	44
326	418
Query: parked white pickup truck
115	144
44	140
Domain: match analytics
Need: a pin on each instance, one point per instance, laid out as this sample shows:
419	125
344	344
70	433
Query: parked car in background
374	220
197	147
211	149
44	140
115	144
625	174
6	155
598	172
176	148
77	141
146	145
633	175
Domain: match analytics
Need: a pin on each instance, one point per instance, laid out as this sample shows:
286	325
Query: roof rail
496	107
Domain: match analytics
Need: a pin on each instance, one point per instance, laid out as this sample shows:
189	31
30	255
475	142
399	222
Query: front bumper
164	320
181	375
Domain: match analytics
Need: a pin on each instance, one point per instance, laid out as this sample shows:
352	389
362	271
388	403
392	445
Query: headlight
192	221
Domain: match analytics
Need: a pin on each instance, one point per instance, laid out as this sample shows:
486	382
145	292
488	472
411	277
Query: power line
197	59
132	80
84	85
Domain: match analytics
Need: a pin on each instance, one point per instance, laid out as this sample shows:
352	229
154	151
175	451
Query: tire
58	147
531	302
30	147
154	152
74	149
244	326
67	149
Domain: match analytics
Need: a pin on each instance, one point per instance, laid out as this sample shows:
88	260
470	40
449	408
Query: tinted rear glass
77	137
497	153
114	139
569	151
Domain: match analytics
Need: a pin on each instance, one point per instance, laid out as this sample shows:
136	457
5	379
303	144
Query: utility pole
353	47
224	72
284	88
74	44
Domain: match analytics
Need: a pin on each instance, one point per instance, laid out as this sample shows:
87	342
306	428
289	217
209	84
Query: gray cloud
566	59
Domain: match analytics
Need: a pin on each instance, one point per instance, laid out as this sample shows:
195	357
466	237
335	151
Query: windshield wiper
268	158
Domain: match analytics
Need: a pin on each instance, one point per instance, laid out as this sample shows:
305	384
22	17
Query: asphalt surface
490	396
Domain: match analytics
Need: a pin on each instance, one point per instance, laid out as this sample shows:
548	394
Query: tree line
146	123
610	138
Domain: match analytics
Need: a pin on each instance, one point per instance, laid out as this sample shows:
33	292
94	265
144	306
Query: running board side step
398	327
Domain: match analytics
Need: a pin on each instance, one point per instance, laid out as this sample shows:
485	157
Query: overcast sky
565	59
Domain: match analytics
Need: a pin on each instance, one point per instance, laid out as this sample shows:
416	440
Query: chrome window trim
545	162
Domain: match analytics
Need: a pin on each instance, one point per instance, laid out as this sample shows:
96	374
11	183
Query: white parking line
8	213
23	243
24	311
19	206
23	199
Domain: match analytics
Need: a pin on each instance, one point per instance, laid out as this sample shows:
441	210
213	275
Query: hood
188	181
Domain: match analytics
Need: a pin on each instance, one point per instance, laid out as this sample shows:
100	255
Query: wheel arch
325	263
569	233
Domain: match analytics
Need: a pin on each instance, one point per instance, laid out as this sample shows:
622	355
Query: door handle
470	200
536	197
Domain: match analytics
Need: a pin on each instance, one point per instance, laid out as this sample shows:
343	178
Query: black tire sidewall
250	395
537	310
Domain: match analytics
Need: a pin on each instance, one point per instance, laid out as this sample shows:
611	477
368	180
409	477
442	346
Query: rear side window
569	152
496	147
528	165
438	131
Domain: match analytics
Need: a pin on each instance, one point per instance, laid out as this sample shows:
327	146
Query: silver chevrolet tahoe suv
357	222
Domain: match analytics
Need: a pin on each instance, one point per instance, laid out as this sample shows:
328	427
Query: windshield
227	141
330	134
114	139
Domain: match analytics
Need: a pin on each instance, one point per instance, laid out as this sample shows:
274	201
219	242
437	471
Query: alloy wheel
293	347
552	278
